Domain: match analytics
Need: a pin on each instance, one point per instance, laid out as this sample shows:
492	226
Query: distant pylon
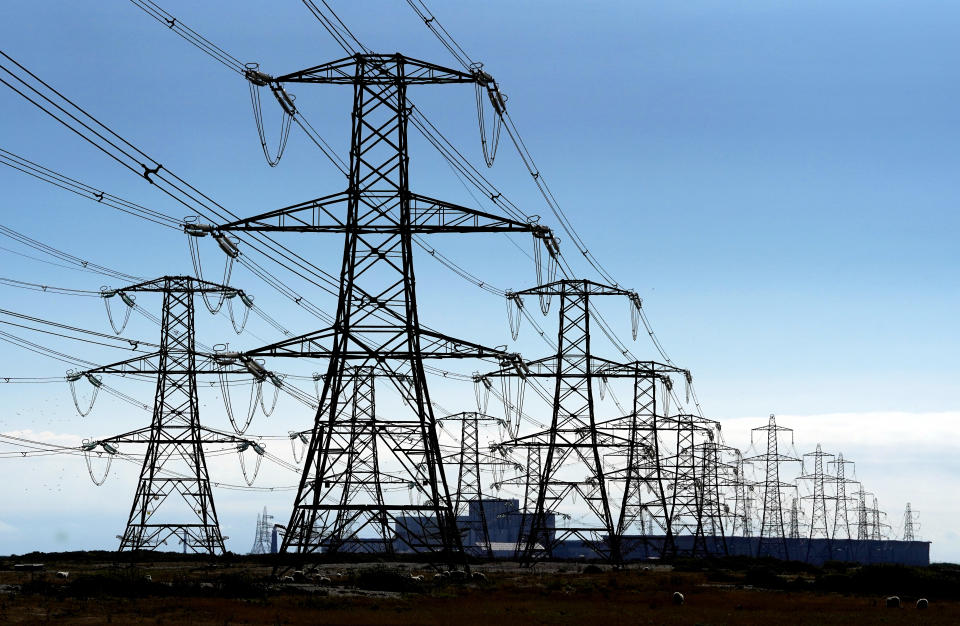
908	520
262	540
863	520
794	519
773	536
841	514
469	461
819	527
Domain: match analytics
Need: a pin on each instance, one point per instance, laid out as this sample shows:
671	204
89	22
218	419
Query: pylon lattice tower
469	460
173	498
577	437
841	514
863	518
794	532
741	523
908	524
819	524
377	321
262	540
772	540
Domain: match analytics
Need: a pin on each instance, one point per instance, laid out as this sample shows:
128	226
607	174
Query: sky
776	181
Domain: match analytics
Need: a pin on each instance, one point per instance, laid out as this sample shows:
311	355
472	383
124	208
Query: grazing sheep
287	579
922	603
677	598
479	577
419	579
299	576
457	575
893	602
437	578
148	578
324	581
63	574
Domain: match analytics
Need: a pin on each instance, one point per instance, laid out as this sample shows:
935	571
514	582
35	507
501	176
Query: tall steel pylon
841	514
909	519
262	540
377	321
794	523
863	515
819	522
576	436
742	498
773	535
469	460
173	500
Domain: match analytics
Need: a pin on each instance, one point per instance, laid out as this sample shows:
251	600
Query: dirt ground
245	593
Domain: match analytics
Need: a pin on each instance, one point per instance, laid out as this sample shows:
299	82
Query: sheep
479	577
63	574
418	579
893	602
677	598
922	603
437	578
324	581
287	579
299	576
148	578
458	575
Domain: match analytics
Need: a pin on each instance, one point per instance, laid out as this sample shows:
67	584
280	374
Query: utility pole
773	535
173	500
377	321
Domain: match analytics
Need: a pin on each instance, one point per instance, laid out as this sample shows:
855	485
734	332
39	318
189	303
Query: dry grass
511	596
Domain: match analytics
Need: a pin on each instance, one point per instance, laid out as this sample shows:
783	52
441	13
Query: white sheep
63	574
325	581
148	578
893	602
287	579
677	598
922	603
419	579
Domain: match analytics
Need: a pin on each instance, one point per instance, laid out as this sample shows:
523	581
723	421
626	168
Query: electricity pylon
263	539
173	498
773	536
576	436
794	532
377	321
469	459
841	515
909	519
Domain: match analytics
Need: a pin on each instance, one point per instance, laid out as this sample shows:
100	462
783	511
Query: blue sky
776	180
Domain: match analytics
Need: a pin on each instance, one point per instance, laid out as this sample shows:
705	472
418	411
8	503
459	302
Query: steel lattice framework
576	435
173	498
773	533
377	322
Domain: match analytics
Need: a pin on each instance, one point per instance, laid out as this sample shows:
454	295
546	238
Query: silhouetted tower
841	515
908	522
377	322
577	436
773	535
863	520
742	497
818	519
469	461
794	519
711	506
877	526
173	500
262	540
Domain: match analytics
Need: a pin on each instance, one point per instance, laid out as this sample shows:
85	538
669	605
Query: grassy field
241	591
